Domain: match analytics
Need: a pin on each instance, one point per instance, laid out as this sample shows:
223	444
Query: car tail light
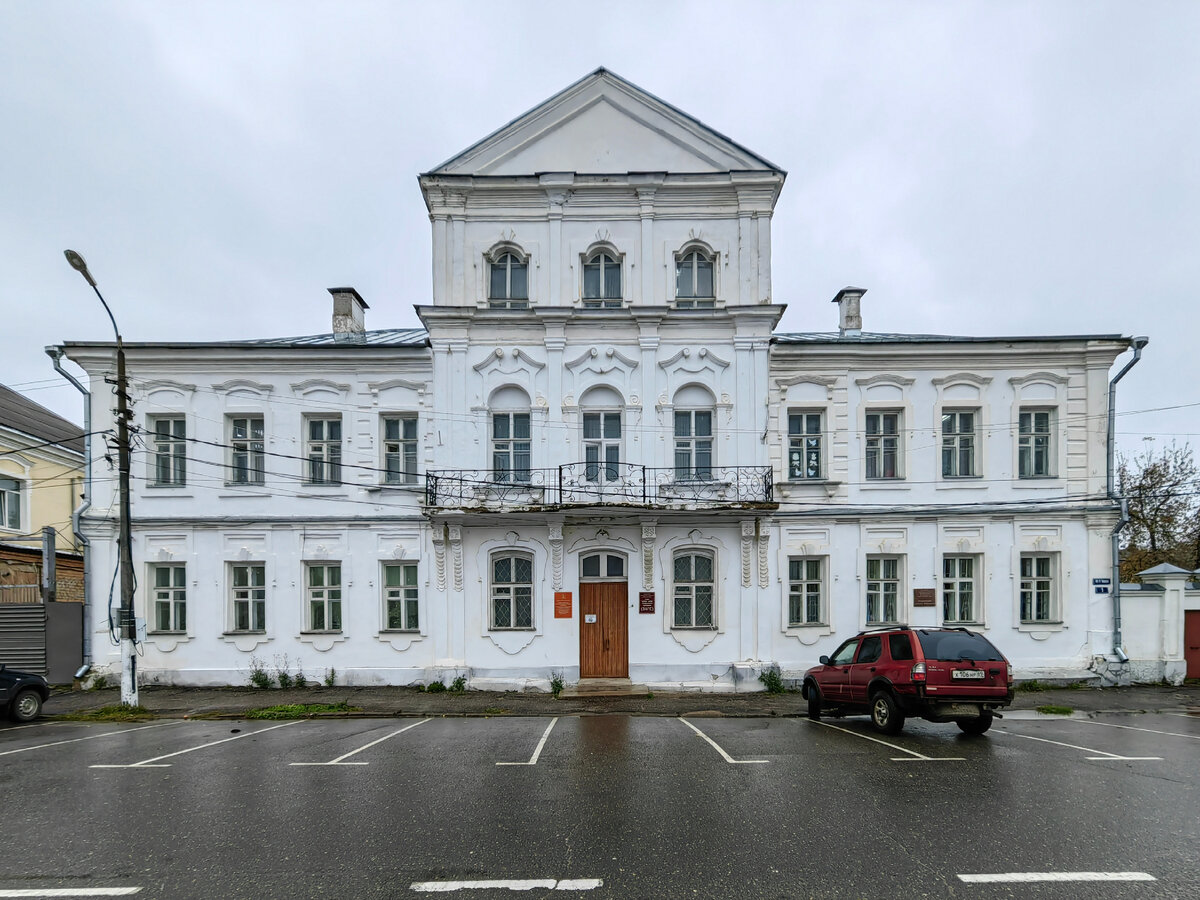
918	672
1010	673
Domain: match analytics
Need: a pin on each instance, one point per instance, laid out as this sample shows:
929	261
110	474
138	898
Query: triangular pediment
602	124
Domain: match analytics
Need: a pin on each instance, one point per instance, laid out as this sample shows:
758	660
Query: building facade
598	458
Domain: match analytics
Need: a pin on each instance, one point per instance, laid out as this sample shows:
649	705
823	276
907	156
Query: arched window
695	583
602	434
694	281
601	281
511	440
508	286
512	590
693	434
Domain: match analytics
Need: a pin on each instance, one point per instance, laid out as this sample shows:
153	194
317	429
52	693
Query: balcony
590	484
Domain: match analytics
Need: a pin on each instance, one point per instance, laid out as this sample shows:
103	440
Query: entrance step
605	687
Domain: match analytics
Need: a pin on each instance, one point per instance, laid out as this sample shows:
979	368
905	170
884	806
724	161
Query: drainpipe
1137	343
55	354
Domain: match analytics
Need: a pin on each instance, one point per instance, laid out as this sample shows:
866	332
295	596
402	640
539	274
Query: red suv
939	674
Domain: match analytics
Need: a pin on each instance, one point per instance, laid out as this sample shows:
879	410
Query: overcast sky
998	168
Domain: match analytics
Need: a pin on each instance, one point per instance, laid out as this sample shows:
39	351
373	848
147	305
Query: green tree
1164	512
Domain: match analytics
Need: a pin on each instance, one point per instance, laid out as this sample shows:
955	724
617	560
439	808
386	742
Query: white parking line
532	760
1026	877
726	756
70	892
1194	737
1186	715
913	756
90	737
511	884
1103	755
338	761
153	762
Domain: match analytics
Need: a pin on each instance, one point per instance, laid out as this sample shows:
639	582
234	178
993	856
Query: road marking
1056	876
153	762
1104	755
90	737
511	884
532	762
1187	715
1194	737
70	892
716	746
913	756
338	761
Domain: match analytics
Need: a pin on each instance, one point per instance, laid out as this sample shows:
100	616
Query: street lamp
127	625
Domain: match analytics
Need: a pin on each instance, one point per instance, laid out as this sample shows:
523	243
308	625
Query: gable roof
603	124
21	414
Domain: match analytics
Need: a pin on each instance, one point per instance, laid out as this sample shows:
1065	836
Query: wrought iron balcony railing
598	484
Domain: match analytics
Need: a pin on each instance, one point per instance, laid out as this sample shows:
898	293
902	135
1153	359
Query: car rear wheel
27	706
814	700
885	714
975	726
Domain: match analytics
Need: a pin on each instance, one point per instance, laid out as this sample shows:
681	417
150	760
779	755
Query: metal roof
381	337
21	414
883	337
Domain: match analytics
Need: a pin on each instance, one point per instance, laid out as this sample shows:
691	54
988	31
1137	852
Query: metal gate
23	636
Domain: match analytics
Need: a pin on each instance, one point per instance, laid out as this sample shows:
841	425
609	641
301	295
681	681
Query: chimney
349	320
849	316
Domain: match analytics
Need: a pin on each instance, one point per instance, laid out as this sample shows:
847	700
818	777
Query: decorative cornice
612	354
897	380
376	386
311	385
494	358
244	384
686	353
962	378
1035	377
163	384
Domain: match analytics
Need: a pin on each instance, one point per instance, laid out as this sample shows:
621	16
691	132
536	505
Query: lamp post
127	625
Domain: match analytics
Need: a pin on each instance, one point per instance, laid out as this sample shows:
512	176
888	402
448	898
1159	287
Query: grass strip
300	710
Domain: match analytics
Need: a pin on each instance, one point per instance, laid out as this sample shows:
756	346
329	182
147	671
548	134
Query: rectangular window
693	444
883	590
400	449
805	445
247	450
883	445
170	598
512	591
508	286
694	591
602	445
248	584
168	450
324	594
510	446
10	504
806	600
959	443
960	589
1037	588
323	449
400	597
1035	444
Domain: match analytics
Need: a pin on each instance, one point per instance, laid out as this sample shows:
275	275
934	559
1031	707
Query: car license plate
967	673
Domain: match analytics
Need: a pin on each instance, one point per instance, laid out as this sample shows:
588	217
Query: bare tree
1164	512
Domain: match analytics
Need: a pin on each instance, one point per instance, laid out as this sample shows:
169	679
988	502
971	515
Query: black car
22	694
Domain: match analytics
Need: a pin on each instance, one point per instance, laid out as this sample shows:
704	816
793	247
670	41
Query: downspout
1137	343
55	354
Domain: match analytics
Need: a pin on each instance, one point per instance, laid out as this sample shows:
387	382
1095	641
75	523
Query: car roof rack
897	627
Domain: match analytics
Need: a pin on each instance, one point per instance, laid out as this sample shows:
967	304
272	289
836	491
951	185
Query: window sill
807	625
399	630
507	630
167	634
164	486
321	633
245	484
246	633
412	487
694	628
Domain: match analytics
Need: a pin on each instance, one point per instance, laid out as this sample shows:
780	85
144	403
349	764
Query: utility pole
127	624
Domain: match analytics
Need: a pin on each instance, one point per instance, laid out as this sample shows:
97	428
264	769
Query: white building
597	458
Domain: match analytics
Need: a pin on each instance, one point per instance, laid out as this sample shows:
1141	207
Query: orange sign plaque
562	604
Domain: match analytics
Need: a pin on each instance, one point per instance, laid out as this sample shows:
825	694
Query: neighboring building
597	458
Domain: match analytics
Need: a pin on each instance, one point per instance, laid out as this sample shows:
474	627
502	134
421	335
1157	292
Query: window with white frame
168	450
806	450
508	284
883	590
597	566
694	281
170	597
510	446
693	444
10	504
959	443
806	591
400	449
323	449
602	281
248	589
1039	595
512	590
602	446
694	583
883	444
400	597
1035	443
323	593
247	450
960	589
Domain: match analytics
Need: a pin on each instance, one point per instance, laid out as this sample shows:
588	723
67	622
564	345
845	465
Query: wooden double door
604	629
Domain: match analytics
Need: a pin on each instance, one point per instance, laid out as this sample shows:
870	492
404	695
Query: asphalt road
601	807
